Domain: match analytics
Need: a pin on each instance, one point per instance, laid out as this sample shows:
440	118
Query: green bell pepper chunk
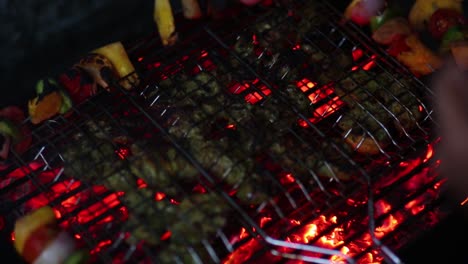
378	21
42	87
8	128
453	34
66	102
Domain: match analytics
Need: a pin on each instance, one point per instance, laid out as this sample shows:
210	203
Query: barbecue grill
232	150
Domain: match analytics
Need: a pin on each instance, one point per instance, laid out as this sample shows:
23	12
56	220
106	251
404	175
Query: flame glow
100	246
366	65
254	96
319	95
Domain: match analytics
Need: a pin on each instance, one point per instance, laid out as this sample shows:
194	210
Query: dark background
95	25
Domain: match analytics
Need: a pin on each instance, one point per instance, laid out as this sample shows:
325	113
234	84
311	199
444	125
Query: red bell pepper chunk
398	46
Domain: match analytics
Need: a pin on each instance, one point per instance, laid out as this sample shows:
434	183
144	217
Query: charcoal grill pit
208	114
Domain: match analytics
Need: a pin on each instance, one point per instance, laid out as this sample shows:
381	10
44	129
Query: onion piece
361	11
58	250
387	33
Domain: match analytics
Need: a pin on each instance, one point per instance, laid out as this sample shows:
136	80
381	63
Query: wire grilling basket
287	137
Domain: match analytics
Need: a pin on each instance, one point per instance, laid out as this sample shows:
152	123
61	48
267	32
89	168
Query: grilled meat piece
273	114
148	219
161	172
195	218
95	159
365	127
378	105
306	163
92	159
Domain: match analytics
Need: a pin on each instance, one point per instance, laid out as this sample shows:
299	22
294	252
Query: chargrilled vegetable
407	47
164	19
9	136
442	20
115	52
79	85
26	226
99	68
398	45
422	11
49	101
361	11
39	239
419	59
13	134
454	36
390	30
388	14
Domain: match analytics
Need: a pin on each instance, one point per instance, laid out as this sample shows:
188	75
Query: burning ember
321	94
365	64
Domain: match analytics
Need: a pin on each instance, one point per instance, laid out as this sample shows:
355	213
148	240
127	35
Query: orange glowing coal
305	85
243	234
265	220
317	96
327	109
254	96
336	239
366	65
98	209
382	207
287	178
100	246
166	235
322	93
323	111
357	54
388	225
312	230
310	233
415	206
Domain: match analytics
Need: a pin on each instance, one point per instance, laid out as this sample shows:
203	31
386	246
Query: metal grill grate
292	124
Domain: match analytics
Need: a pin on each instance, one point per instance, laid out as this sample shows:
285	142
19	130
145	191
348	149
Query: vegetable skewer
39	239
